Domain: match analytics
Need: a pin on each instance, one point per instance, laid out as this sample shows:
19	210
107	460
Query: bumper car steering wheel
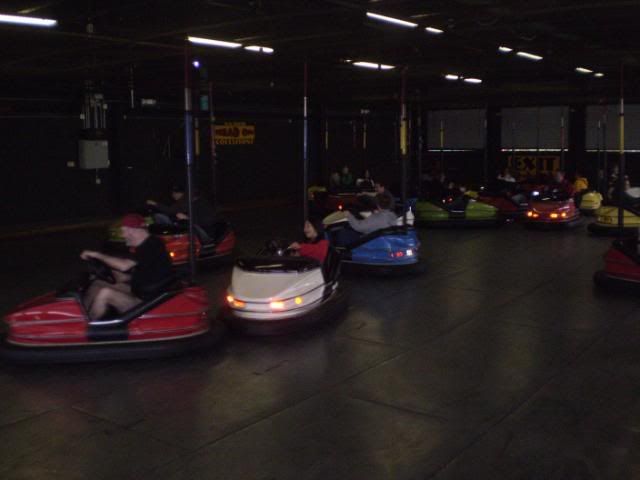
100	270
277	247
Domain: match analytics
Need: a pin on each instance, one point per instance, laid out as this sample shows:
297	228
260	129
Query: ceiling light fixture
583	70
395	21
475	81
213	43
503	49
598	75
374	66
452	77
30	21
434	31
529	56
259	49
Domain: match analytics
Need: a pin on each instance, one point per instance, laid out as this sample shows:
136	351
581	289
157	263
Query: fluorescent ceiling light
529	56
435	31
31	21
505	49
473	80
451	76
366	65
213	43
256	48
583	70
598	75
374	66
395	21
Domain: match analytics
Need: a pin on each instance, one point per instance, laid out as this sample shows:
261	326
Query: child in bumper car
315	245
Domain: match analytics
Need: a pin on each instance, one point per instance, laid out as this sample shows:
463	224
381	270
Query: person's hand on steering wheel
98	268
294	246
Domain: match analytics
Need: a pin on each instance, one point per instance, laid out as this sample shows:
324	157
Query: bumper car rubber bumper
611	230
415	268
459	223
328	311
99	352
615	284
550	225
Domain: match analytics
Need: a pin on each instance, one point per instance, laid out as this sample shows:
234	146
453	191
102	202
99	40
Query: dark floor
501	361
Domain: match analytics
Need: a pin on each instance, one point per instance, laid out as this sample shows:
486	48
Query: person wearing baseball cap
138	278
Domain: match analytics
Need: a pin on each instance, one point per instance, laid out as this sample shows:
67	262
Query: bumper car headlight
233	302
286	304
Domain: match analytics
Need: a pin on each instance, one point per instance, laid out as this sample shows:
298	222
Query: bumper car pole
403	142
214	157
538	163
420	147
562	141
605	166
305	145
621	171
485	153
188	147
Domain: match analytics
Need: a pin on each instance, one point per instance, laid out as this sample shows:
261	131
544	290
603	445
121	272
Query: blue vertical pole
188	147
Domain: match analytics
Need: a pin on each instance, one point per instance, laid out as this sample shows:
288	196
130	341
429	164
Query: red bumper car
622	267
213	246
210	247
552	211
55	328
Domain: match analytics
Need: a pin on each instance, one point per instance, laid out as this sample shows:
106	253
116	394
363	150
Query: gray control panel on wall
93	154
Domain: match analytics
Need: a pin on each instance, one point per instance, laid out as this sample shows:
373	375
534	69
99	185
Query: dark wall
151	159
37	184
378	154
147	157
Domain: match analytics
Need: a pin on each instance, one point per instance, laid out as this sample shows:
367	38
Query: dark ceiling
109	42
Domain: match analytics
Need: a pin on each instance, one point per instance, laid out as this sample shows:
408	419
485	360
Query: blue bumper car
390	251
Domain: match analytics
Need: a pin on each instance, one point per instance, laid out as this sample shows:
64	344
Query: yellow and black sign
235	133
530	165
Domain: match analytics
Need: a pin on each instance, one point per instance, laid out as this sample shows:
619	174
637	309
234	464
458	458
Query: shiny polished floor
501	361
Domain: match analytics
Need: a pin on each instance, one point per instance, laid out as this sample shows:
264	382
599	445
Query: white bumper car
272	293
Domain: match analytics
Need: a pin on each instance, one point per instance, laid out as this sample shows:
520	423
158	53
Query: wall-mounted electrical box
93	154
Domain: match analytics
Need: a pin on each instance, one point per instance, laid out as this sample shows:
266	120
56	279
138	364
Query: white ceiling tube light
394	21
503	49
529	56
453	77
434	31
373	66
583	70
258	49
213	43
598	75
29	21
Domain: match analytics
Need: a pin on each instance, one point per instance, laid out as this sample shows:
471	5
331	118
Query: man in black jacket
136	279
